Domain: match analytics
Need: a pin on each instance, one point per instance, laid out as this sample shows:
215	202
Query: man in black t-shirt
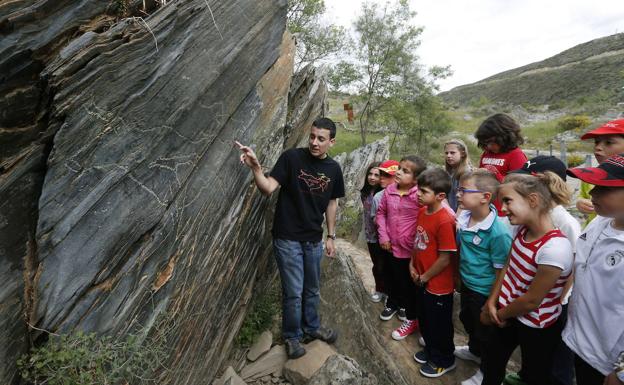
310	183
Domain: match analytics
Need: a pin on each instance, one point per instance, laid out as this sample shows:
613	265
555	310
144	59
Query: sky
481	38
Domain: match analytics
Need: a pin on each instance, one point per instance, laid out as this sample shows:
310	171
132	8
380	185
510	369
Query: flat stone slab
302	369
272	362
230	377
261	346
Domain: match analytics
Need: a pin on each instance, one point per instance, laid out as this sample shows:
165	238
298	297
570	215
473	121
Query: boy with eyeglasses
484	242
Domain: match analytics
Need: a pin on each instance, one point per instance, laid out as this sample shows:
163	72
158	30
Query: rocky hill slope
584	71
123	207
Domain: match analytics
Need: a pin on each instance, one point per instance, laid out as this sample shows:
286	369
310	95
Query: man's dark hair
502	129
436	179
419	164
327	124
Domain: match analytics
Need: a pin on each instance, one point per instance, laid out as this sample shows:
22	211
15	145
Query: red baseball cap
614	127
389	166
609	173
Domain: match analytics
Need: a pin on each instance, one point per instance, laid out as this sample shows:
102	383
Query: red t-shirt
435	232
502	163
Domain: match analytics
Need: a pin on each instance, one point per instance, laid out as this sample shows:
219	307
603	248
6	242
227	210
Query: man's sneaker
408	327
464	353
387	313
513	379
377	296
402	315
421	357
294	349
421	341
474	380
324	334
431	370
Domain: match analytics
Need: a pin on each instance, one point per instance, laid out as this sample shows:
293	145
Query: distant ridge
588	69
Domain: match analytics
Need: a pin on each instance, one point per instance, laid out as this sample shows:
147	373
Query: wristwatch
619	367
332	236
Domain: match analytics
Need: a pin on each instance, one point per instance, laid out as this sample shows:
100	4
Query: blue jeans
299	264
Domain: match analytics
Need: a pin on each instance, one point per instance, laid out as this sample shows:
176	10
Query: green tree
315	39
415	111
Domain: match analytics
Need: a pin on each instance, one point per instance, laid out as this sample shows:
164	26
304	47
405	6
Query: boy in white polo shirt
595	328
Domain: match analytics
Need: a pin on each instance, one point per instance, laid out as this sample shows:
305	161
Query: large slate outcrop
123	204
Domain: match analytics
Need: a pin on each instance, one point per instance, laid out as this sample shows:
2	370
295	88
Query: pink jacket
397	218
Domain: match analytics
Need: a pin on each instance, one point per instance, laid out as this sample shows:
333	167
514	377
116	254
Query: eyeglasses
462	191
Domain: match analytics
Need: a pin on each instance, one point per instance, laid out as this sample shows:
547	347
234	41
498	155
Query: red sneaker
408	327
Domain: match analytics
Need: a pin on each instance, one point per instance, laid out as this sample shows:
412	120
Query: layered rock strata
124	207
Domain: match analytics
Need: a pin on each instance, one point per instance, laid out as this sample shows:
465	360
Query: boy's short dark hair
484	180
419	164
501	128
327	124
435	179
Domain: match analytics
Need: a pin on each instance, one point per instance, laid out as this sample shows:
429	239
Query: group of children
500	235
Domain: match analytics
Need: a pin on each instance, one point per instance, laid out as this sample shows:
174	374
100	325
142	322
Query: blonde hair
548	185
464	164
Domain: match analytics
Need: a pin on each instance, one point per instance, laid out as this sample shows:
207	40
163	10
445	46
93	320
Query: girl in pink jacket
396	225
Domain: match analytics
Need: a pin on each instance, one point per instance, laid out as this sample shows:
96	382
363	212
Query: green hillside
589	72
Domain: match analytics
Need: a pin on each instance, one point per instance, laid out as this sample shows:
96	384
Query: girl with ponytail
525	302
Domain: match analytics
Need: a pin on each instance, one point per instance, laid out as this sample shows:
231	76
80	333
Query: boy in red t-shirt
432	269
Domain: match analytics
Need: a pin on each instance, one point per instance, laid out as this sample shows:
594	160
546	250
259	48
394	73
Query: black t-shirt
307	185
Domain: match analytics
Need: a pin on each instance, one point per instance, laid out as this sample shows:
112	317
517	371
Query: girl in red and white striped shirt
525	302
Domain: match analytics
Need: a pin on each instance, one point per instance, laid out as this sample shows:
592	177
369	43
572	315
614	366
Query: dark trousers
402	293
436	326
376	254
562	371
586	374
537	348
469	314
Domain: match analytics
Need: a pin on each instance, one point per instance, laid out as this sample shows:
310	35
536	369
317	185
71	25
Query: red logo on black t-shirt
318	183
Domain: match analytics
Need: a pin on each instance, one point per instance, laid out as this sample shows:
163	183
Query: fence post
563	154
588	160
551	149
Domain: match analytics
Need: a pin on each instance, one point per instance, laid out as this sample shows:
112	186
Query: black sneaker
294	349
387	313
324	334
402	315
421	357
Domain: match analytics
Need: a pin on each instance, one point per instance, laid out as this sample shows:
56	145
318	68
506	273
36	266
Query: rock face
342	370
123	205
354	165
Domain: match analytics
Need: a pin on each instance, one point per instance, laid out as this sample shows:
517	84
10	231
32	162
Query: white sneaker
377	296
421	341
474	380
464	353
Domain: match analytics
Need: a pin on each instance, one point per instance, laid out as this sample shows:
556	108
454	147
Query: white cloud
481	38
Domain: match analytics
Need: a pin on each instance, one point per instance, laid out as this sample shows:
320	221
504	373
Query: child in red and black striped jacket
525	302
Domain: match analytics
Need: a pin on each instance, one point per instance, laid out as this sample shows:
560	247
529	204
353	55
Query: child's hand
484	317
413	272
492	312
386	246
585	206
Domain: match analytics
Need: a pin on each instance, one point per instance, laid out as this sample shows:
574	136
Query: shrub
576	122
259	318
88	359
575	160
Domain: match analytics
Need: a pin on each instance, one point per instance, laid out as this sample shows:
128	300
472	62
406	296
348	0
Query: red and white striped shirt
552	249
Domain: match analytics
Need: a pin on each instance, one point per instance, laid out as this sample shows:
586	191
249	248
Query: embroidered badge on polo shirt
615	258
476	240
